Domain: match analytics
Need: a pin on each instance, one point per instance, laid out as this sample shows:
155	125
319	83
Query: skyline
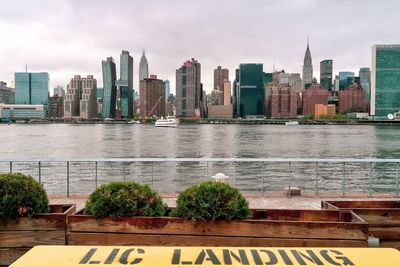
74	44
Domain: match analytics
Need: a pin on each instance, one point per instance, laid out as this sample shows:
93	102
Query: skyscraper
88	102
385	79
365	82
59	90
32	88
109	88
307	68
346	78
125	84
249	90
167	90
220	75
143	67
152	93
189	89
326	70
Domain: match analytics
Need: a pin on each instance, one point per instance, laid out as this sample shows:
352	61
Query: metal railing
250	175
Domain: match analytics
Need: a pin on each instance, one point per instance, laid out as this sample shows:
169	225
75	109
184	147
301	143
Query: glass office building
109	88
346	78
125	84
32	88
385	80
326	70
250	90
365	82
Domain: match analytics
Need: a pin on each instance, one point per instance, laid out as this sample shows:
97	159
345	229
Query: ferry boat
292	123
169	121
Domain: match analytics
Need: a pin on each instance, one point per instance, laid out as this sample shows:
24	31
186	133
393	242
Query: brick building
152	97
325	110
352	99
315	94
283	102
56	106
220	76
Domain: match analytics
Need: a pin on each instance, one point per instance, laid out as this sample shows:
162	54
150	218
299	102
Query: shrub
21	196
212	201
118	199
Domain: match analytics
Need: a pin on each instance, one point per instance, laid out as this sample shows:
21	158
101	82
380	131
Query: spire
308	41
144	53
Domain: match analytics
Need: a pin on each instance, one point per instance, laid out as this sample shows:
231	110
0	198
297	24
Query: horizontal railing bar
276	160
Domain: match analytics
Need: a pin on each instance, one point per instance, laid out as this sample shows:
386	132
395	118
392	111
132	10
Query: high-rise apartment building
326	72
189	89
143	67
249	90
56	106
307	68
59	90
227	93
315	94
80	100
152	97
88	101
352	99
220	75
283	102
32	88
125	85
385	79
109	88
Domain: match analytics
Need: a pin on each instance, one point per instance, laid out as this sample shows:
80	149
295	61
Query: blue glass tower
32	88
109	88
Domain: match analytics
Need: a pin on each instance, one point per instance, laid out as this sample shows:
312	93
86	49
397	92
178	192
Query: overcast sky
67	37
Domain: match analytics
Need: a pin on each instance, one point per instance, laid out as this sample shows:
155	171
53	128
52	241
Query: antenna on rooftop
26	67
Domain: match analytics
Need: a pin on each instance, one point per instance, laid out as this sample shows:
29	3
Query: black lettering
88	255
285	257
176	257
256	257
324	253
94	262
272	257
211	257
300	256
187	263
242	258
124	257
112	256
346	261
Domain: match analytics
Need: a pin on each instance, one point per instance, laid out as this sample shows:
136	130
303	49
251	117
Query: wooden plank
43	222
372	204
248	228
379	216
107	239
9	239
9	255
385	232
390	244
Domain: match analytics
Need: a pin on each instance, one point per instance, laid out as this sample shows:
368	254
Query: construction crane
154	107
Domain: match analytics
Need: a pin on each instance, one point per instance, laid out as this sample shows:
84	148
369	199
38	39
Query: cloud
72	37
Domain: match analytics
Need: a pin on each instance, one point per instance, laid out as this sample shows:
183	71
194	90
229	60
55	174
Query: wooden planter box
18	236
383	218
278	228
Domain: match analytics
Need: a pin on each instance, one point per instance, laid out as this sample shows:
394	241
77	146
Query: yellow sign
140	256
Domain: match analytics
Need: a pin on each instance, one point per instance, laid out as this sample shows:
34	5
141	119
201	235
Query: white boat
169	121
292	123
133	122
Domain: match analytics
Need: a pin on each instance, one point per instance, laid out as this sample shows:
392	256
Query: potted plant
211	214
26	218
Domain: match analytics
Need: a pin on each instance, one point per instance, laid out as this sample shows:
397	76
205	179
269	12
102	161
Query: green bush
21	196
212	201
119	199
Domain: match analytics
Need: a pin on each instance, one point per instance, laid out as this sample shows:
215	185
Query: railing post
370	180
344	179
290	178
95	178
262	179
316	179
397	180
40	172
67	178
234	176
11	166
152	173
207	171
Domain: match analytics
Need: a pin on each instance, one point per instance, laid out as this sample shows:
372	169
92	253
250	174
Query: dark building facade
283	102
326	72
220	75
249	90
152	97
125	85
56	106
189	90
315	94
352	99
